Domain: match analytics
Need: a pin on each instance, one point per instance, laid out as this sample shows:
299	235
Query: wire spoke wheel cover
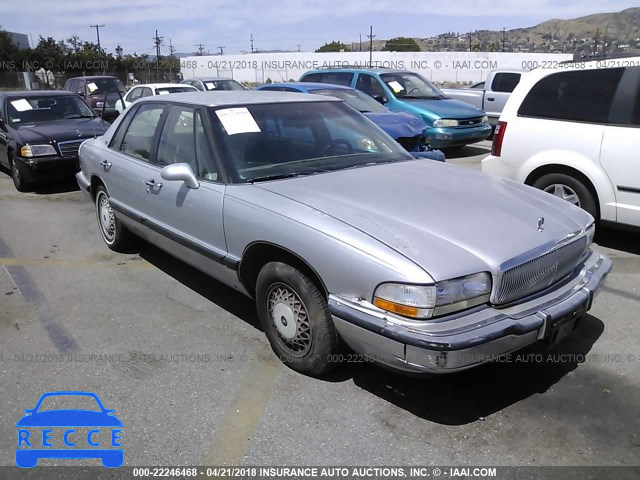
289	315
105	217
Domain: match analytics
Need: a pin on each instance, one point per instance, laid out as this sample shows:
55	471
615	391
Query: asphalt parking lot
184	364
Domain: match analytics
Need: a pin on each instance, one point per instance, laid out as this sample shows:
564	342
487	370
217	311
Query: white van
574	131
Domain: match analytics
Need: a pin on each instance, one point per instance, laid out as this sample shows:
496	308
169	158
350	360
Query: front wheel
114	234
296	319
17	175
570	189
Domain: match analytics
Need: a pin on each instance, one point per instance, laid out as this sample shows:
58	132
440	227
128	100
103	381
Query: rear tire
570	189
114	234
295	317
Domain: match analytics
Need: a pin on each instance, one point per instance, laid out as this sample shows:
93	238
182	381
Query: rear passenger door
620	155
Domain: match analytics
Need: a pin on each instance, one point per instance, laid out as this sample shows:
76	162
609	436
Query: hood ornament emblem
540	224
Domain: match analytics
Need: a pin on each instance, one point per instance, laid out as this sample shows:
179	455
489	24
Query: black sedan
41	132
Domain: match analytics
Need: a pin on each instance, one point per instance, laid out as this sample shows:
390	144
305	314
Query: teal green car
450	122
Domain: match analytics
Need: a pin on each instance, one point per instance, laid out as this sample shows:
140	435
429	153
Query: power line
158	41
252	50
98	27
222	50
200	48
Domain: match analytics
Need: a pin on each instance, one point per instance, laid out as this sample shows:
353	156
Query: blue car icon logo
69	433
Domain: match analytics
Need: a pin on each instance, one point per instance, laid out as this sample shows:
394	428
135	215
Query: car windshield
69	402
37	109
222	85
166	90
358	100
99	86
270	141
411	85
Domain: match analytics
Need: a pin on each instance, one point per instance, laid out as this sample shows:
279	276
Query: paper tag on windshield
237	120
210	85
21	105
163	92
396	86
92	87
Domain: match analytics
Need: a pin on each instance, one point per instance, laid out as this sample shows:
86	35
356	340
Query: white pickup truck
489	95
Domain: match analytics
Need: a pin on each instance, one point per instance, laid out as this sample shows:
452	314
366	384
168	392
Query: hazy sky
276	24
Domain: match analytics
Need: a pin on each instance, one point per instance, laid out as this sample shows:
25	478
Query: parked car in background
94	88
489	95
573	132
406	129
206	84
40	133
339	234
450	123
151	89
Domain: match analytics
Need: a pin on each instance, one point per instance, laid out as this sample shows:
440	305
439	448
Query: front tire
114	234
570	189
17	175
295	317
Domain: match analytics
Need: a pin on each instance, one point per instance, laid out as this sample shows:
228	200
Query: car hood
449	220
59	130
443	108
69	418
398	124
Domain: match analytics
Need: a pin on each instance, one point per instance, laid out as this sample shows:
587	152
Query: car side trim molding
222	259
623	188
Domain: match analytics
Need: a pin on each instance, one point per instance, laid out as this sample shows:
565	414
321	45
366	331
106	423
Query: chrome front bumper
468	338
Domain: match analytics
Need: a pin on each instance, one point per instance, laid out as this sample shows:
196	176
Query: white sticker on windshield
163	92
21	105
210	85
237	120
92	87
397	88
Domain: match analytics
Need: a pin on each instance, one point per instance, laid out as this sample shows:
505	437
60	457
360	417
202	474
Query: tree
401	44
333	47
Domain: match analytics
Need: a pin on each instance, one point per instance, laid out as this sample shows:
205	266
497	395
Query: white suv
575	132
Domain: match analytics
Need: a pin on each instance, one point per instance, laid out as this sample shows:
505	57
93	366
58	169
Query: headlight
445	122
37	150
425	301
485	119
591	233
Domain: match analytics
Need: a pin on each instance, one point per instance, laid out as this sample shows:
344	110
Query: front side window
371	86
134	94
505	82
138	138
582	96
36	109
411	85
267	141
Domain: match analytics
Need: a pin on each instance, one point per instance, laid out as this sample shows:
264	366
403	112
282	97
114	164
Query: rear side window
337	78
505	82
582	96
635	114
138	139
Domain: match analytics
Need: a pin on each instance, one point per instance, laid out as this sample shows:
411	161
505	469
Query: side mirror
379	99
180	172
81	93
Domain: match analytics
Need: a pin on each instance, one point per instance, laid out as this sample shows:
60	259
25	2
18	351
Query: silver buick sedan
342	237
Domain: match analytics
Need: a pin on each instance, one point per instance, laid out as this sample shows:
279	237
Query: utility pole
171	52
98	27
371	37
503	36
119	51
158	41
200	48
298	46
222	50
252	50
360	42
595	46
469	40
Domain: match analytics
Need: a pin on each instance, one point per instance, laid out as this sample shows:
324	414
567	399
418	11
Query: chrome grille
540	272
70	149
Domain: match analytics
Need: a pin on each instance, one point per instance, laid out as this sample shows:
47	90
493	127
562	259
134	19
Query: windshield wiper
73	117
266	178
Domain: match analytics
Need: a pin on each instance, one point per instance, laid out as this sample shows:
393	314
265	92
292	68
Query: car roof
308	85
163	85
209	79
358	70
93	77
38	93
218	98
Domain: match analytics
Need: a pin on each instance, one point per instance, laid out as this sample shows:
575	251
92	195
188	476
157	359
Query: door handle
152	184
490	99
105	164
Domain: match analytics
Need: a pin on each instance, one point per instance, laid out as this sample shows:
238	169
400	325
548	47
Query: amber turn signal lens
395	308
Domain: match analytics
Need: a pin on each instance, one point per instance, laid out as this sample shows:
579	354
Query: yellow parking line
233	438
53	262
